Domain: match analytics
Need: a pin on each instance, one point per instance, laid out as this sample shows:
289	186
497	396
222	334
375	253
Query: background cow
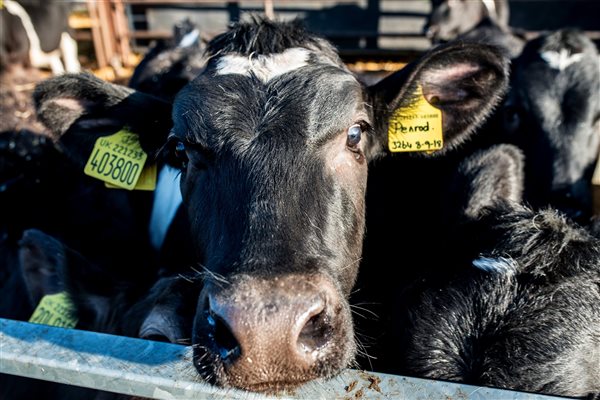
169	65
552	113
450	18
35	33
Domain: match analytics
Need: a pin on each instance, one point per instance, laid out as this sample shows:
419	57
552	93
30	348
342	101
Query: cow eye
178	155
354	135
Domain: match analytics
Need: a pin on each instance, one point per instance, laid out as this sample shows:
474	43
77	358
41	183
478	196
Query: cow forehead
264	67
295	90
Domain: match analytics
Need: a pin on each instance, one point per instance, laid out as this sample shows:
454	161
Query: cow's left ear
79	108
464	81
41	260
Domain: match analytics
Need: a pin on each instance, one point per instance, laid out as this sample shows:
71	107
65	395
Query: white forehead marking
263	67
491	7
560	60
501	266
189	39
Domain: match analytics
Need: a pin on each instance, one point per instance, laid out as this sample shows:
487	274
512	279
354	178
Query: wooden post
269	9
121	32
96	35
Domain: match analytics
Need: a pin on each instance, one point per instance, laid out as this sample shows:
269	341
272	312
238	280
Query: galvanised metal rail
164	371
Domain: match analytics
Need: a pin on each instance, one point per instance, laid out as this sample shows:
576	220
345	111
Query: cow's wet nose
281	331
282	327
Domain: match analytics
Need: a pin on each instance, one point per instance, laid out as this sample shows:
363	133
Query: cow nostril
227	345
315	333
157	338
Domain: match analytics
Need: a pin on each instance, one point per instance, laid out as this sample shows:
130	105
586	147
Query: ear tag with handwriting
417	127
117	159
55	310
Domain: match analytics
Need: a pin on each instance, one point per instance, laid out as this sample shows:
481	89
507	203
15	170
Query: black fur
528	318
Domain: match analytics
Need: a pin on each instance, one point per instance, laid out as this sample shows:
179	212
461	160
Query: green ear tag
417	127
55	310
117	159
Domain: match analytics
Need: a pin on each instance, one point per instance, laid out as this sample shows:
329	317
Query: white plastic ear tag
117	159
55	310
417	127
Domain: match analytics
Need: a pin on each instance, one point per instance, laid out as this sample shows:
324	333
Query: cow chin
272	335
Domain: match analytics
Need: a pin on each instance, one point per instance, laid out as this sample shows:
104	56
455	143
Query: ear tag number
417	127
117	159
55	310
147	180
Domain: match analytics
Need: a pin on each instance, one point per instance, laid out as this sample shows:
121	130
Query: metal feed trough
164	371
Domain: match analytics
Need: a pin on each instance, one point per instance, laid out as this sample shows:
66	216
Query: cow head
273	140
552	113
450	18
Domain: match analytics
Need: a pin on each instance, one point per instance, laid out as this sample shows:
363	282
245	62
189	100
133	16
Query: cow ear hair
161	324
464	80
79	108
489	179
41	259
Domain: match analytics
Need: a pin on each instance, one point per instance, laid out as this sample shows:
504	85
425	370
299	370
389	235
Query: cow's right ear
79	108
463	80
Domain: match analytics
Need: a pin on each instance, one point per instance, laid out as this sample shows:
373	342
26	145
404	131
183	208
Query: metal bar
164	371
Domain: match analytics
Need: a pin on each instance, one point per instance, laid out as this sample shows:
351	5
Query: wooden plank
96	34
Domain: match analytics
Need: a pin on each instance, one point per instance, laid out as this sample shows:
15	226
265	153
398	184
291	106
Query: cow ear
465	81
167	311
79	108
41	259
488	179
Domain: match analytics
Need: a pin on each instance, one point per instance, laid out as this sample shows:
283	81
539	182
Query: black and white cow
273	140
552	112
35	33
450	18
170	65
526	315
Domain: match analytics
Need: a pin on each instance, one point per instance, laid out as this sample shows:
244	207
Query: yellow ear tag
117	159
55	310
147	180
417	127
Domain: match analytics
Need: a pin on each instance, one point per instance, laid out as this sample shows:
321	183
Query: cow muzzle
272	334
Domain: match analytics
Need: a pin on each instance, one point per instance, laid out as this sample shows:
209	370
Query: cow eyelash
355	134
